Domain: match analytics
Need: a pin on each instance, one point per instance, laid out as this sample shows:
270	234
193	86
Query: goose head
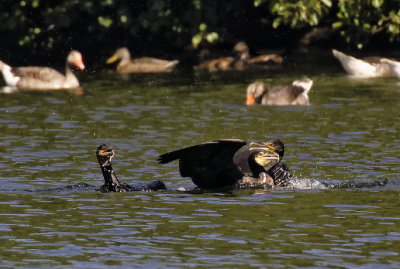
255	92
74	58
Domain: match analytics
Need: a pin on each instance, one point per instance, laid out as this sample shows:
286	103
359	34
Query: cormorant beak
270	147
267	159
263	146
250	100
272	150
112	59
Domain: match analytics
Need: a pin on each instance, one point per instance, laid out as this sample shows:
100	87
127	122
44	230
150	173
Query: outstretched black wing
210	165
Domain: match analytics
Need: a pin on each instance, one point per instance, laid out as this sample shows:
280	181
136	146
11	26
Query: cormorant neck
111	181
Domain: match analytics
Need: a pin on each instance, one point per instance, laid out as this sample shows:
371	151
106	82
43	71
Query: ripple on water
349	132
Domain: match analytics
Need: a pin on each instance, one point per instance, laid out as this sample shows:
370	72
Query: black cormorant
218	163
104	155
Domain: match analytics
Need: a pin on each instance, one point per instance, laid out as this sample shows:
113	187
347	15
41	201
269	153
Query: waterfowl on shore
394	66
218	164
43	78
140	65
104	155
368	67
243	51
295	94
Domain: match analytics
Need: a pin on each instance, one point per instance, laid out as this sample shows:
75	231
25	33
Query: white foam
306	184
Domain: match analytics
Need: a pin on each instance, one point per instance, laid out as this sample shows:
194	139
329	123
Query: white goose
393	65
368	67
43	78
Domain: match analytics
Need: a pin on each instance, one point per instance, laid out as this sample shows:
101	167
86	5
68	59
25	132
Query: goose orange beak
250	100
79	63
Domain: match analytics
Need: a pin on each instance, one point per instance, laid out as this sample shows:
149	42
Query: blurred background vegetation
46	29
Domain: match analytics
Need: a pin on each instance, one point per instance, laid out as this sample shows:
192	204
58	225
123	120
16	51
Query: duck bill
79	63
112	59
250	100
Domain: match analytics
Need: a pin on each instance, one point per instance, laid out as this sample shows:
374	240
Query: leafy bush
167	24
357	20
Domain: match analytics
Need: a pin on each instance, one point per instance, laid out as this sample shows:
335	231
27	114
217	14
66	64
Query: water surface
48	141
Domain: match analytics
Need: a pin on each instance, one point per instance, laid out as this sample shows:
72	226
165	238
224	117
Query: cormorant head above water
219	163
104	155
259	157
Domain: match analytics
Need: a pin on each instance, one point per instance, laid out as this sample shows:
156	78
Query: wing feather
45	74
210	165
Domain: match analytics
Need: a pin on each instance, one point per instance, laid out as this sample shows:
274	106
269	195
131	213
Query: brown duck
43	78
246	60
140	65
242	61
295	94
222	63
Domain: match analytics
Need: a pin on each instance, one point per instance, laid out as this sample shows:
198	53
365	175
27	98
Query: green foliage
41	23
357	20
204	36
298	14
44	24
392	22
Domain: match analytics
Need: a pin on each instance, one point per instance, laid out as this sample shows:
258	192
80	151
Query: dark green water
48	140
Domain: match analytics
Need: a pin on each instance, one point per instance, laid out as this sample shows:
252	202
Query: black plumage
104	155
219	163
